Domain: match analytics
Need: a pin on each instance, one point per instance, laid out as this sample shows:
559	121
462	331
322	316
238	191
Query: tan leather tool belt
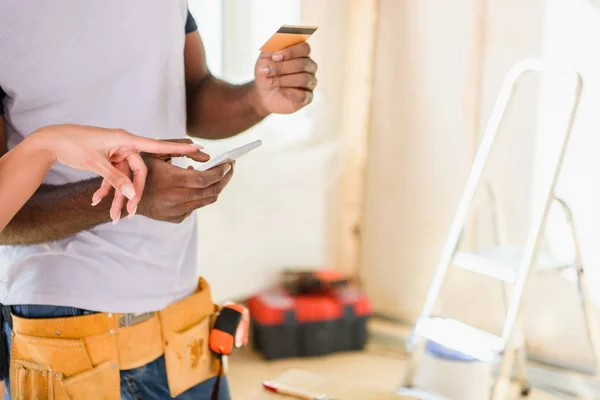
80	357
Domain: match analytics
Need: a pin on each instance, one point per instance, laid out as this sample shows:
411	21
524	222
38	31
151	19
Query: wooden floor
248	370
382	365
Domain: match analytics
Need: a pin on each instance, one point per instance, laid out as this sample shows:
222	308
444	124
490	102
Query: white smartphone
229	156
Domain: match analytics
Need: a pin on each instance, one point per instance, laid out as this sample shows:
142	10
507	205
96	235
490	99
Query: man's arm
216	109
54	212
284	83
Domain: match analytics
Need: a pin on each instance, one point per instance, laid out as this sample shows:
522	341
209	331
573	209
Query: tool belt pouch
186	327
45	367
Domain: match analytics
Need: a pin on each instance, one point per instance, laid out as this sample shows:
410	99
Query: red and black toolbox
297	281
285	325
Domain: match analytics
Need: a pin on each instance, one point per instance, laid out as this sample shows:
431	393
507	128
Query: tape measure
230	330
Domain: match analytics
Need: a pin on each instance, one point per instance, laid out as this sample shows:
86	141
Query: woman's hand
112	154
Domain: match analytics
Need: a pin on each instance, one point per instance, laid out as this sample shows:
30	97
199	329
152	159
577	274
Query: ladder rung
421	394
502	263
458	336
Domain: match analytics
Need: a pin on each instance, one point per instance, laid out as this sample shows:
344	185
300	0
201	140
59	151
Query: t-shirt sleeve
2	94
190	24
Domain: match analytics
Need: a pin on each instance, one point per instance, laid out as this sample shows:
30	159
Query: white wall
571	32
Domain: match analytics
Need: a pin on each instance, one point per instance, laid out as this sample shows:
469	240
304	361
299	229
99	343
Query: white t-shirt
109	63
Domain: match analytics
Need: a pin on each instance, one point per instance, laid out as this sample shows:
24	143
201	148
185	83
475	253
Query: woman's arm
22	170
107	152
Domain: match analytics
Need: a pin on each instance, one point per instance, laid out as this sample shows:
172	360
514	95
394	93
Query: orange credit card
288	35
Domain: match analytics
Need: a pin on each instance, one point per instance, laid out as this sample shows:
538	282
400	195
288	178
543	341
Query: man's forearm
56	212
217	109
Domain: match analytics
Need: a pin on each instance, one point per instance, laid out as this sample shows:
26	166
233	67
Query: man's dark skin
216	109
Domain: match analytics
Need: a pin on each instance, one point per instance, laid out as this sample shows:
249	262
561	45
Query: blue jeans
145	383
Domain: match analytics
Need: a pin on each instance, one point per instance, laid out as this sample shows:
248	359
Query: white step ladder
511	265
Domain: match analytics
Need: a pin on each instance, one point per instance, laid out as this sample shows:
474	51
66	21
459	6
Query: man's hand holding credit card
285	78
285	73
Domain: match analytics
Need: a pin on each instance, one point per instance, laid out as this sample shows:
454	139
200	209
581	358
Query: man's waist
46	321
75	347
130	290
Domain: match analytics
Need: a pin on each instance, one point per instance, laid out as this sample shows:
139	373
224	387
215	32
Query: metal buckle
133	319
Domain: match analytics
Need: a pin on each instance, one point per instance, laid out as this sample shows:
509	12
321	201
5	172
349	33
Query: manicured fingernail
117	219
132	213
199	147
227	168
277	57
128	191
96	198
264	70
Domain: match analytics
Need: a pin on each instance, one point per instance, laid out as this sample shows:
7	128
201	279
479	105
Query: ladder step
421	394
458	336
502	262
